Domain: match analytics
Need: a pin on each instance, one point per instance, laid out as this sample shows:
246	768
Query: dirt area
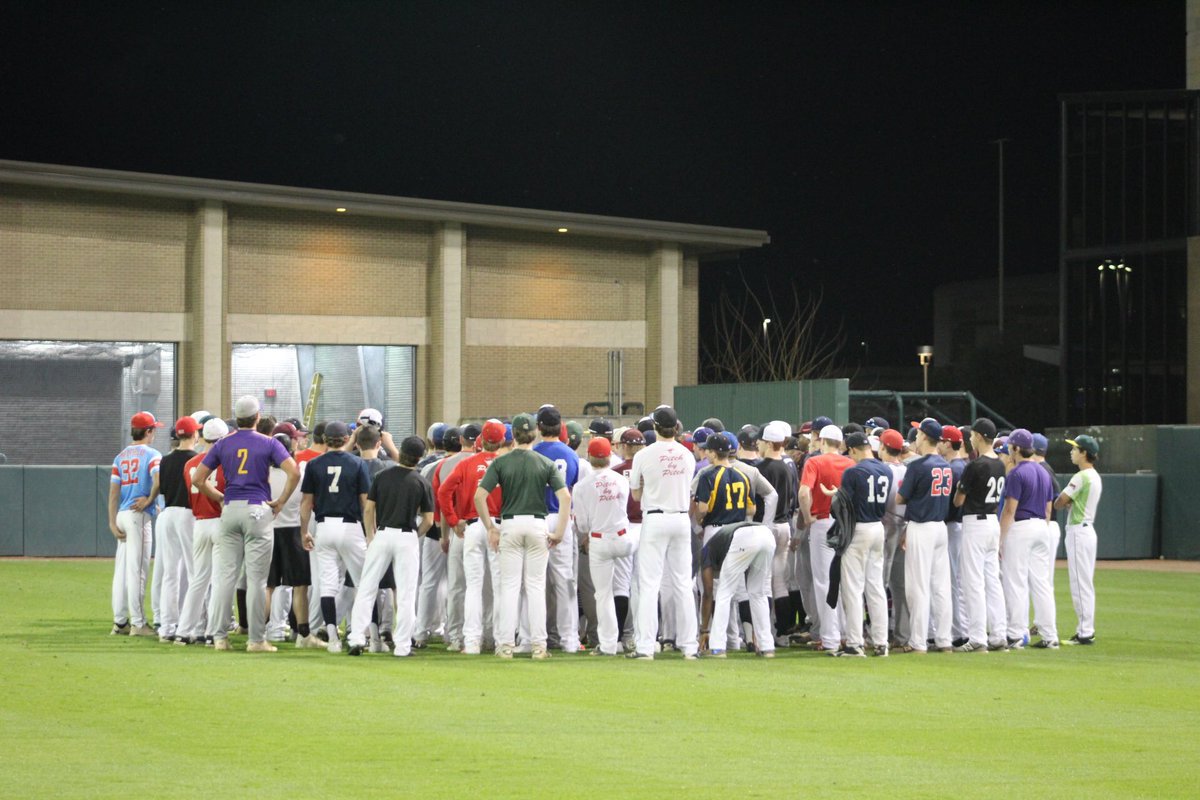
1151	564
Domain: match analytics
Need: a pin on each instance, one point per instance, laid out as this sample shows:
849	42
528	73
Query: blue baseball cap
931	428
732	437
650	436
1040	443
701	434
1001	445
821	422
508	431
876	422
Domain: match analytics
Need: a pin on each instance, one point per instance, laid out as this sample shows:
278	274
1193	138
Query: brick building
499	309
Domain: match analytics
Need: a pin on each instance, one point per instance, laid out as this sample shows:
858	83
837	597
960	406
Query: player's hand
117	533
583	543
275	506
829	491
307	541
141	503
793	545
904	541
445	543
460	528
494	538
553	542
703	643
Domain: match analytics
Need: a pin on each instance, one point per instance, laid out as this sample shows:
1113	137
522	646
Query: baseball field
86	714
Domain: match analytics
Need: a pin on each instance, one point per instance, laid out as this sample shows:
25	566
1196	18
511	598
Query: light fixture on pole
924	356
766	322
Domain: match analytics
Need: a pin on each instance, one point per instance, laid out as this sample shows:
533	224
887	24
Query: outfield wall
62	512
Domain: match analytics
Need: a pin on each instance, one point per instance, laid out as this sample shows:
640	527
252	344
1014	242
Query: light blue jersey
133	470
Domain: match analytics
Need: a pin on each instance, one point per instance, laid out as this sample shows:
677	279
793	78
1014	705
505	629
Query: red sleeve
809	476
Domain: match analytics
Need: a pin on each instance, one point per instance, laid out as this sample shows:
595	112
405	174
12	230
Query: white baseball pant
561	569
954	546
604	553
341	548
129	568
431	599
979	565
401	550
821	558
1023	573
174	560
862	572
747	564
665	565
1081	569
927	582
524	546
478	607
456	587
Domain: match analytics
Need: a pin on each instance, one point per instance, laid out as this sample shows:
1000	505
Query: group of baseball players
533	534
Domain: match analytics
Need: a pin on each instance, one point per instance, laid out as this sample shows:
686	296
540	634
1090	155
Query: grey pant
246	538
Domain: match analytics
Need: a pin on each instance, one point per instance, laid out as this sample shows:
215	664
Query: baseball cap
508	431
549	416
370	416
951	434
1021	439
144	419
523	423
720	444
713	424
664	417
852	427
634	436
245	407
892	438
645	424
201	416
831	432
336	430
776	431
931	428
574	433
599	447
651	436
701	434
412	446
185	427
493	431
876	422
911	436
437	433
984	427
730	437
747	437
806	427
820	423
287	428
1040	443
601	427
214	429
471	431
1001	445
1087	444
857	439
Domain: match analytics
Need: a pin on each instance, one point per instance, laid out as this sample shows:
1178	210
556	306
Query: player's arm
706	605
481	496
306	507
1007	517
770	501
564	515
806	505
1068	492
293	478
200	481
389	445
369	524
142	503
114	502
445	493
426	523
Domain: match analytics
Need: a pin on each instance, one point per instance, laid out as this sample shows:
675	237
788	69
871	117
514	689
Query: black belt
344	519
980	516
510	516
663	511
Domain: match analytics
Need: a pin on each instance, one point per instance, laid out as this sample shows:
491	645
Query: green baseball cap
1086	443
524	423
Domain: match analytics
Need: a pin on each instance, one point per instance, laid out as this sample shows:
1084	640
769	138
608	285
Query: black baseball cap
748	437
984	427
336	430
714	424
549	417
471	431
821	422
413	447
645	424
719	444
664	417
601	427
856	439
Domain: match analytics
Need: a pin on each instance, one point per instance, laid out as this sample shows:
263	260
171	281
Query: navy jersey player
562	571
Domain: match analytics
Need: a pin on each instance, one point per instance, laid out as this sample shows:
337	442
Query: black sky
857	134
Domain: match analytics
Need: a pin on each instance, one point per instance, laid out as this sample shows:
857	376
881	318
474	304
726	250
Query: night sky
857	134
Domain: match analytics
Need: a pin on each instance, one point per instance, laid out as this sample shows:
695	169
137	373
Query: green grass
84	714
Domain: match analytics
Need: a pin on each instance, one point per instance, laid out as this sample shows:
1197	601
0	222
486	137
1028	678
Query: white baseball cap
776	431
831	432
371	416
200	416
215	429
245	407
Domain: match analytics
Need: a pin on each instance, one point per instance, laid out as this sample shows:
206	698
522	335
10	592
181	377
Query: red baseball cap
185	427
144	419
951	434
599	447
892	438
288	428
493	431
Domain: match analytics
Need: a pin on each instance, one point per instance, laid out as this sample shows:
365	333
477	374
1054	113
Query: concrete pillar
670	265
453	255
205	373
1192	365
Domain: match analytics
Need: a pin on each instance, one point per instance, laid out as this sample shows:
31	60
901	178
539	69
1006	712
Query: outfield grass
89	715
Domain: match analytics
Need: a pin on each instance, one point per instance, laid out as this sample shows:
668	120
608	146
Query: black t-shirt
982	482
172	483
400	495
335	480
779	475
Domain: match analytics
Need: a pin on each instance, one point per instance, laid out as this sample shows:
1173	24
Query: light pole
924	356
766	322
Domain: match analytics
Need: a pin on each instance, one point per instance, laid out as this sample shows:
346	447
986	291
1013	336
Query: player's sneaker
635	655
1077	639
504	651
783	641
539	653
261	647
471	650
717	654
420	644
322	634
119	630
881	650
221	644
971	647
334	646
182	641
143	630
454	647
596	651
1016	644
766	653
355	650
166	638
208	641
1046	644
998	647
908	648
668	645
849	652
959	642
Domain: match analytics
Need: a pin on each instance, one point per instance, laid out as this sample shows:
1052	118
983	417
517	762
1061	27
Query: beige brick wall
689	323
86	251
430	378
561	276
323	257
506	380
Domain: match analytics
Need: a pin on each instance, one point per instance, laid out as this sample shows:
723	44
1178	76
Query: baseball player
449	551
133	488
740	554
824	469
205	530
1082	496
660	480
600	507
951	449
522	539
624	569
246	536
1053	534
290	574
398	497
174	526
1028	498
784	479
978	495
562	566
867	486
334	489
456	499
925	496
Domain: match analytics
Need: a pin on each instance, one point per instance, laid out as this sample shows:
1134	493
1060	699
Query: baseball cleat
420	644
908	648
504	651
783	641
454	647
376	645
766	653
667	645
119	630
388	641
322	634
1046	644
849	652
959	642
310	642
1077	639
690	657
355	650
334	646
143	630
881	650
261	647
539	653
717	654
182	641
221	644
971	647
1016	644
635	655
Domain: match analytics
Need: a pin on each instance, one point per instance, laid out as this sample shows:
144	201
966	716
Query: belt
598	535
397	530
335	520
518	516
980	516
663	511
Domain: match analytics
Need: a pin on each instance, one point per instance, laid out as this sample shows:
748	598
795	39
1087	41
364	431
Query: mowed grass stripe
86	714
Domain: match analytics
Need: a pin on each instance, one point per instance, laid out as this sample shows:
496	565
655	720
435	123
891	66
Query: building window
70	402
353	377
